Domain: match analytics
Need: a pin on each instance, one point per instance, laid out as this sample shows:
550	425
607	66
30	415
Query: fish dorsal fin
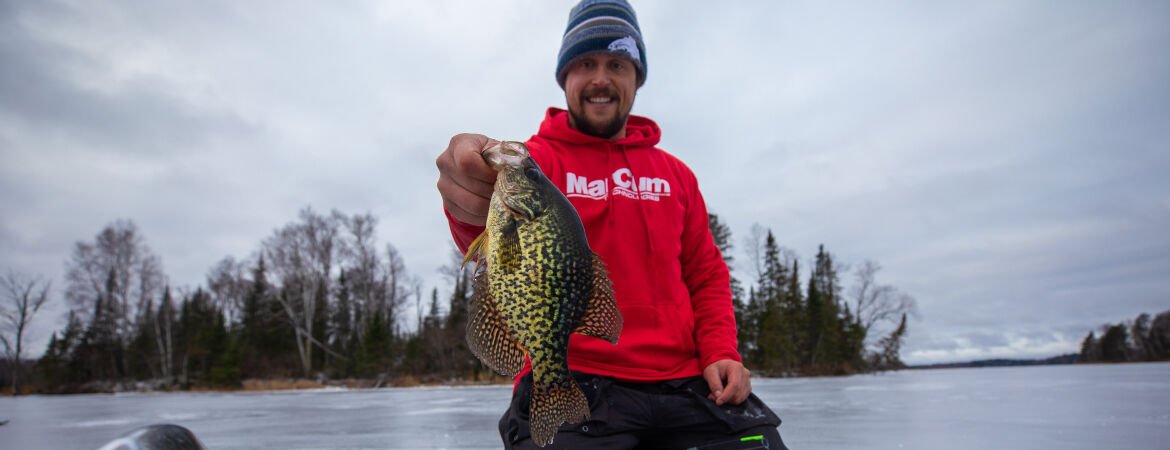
602	318
487	335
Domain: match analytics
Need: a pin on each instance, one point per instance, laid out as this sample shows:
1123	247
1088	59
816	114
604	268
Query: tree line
787	328
322	298
1141	339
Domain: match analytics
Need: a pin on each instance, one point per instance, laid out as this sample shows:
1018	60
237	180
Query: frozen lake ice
1068	407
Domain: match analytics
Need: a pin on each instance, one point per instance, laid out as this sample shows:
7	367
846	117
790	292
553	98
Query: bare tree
23	297
416	284
302	256
359	259
397	283
110	281
163	323
876	303
753	245
228	286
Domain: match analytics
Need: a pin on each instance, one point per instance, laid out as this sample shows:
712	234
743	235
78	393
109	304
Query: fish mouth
506	154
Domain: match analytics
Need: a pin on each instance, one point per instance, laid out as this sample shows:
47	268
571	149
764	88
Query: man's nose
599	79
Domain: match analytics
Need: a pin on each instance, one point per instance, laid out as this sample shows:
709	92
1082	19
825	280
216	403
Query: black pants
673	414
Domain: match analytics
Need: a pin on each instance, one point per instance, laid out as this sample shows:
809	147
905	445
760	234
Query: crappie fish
541	283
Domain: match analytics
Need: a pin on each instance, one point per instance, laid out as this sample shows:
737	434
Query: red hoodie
644	215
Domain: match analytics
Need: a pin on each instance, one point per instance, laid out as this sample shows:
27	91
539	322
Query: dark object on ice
156	437
3	423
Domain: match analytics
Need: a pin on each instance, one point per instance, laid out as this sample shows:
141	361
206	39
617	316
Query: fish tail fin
559	401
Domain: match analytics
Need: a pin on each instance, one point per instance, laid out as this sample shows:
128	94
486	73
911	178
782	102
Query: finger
474	186
712	374
465	206
734	384
466	168
738	386
463	215
465	179
747	386
488	143
467	155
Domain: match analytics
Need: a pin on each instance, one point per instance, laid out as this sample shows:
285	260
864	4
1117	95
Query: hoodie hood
640	131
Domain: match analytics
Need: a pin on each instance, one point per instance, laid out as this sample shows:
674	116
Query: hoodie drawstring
609	195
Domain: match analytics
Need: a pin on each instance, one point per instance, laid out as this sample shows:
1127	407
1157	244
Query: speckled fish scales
541	283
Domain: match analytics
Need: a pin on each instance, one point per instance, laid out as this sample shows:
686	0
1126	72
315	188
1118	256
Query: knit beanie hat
602	26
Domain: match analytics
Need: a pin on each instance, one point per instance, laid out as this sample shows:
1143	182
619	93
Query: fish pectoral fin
559	401
602	318
487	335
508	251
476	250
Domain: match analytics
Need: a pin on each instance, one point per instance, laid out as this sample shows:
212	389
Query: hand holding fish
465	179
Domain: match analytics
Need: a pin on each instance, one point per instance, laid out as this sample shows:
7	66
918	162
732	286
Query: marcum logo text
624	184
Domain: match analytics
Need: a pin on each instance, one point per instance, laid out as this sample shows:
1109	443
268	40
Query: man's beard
604	130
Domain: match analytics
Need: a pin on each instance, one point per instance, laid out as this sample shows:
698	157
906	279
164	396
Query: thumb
714	379
490	142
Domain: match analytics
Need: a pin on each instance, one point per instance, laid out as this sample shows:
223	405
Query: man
675	379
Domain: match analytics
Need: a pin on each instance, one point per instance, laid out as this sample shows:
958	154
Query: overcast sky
1006	162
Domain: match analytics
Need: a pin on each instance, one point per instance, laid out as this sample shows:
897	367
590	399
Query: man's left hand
729	380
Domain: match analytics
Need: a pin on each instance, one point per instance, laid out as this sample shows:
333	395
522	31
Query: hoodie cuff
707	360
463	233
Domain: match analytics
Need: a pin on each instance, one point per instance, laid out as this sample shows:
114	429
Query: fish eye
532	173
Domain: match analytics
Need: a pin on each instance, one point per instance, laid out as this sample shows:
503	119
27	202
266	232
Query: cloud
994	346
1004	162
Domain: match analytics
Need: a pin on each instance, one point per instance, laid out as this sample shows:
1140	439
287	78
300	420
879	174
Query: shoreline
258	385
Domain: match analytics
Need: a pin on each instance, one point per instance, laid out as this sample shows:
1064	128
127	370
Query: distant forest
1141	339
322	299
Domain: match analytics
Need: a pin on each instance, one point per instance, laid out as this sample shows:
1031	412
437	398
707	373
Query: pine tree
204	337
1090	349
141	355
460	360
1114	344
813	324
1159	336
1139	336
264	344
721	235
827	325
432	339
887	357
227	371
747	332
374	355
57	364
774	346
794	310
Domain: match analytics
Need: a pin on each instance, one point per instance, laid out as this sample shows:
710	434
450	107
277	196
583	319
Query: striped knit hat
602	26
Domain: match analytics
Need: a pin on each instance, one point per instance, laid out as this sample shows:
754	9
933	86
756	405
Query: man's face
599	91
